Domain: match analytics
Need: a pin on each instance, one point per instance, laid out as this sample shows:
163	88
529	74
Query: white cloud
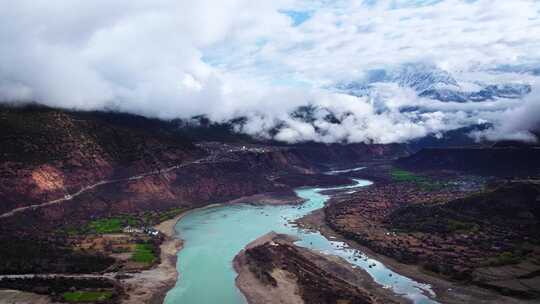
515	123
175	58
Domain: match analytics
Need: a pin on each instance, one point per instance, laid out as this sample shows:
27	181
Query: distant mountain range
431	82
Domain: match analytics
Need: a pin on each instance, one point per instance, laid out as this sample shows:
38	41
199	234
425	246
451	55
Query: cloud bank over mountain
329	71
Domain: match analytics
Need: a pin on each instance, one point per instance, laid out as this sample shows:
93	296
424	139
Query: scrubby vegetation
167	215
87	296
19	256
505	258
499	161
497	227
490	237
455	225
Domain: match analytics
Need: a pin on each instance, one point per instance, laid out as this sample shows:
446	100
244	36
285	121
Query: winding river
213	236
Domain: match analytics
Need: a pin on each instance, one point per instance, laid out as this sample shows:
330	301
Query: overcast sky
262	59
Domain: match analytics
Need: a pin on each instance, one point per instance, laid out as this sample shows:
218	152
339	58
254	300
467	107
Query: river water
213	236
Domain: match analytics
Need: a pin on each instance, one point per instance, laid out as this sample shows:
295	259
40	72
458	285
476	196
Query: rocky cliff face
46	154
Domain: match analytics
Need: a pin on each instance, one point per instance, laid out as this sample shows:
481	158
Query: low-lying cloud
263	60
516	123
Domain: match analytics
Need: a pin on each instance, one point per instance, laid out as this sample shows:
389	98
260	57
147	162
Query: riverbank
446	291
151	286
255	291
214	237
272	269
272	198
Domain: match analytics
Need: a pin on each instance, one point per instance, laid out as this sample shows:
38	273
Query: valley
270	152
117	224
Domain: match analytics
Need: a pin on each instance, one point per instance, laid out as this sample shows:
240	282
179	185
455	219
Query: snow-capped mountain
489	92
530	68
431	82
421	77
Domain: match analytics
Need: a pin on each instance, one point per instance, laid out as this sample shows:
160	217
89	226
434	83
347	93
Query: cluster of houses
143	230
228	148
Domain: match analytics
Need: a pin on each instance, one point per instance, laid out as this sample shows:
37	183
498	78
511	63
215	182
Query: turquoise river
213	236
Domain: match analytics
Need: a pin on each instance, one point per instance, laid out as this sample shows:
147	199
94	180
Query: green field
117	223
424	183
87	296
399	175
144	253
112	225
101	226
